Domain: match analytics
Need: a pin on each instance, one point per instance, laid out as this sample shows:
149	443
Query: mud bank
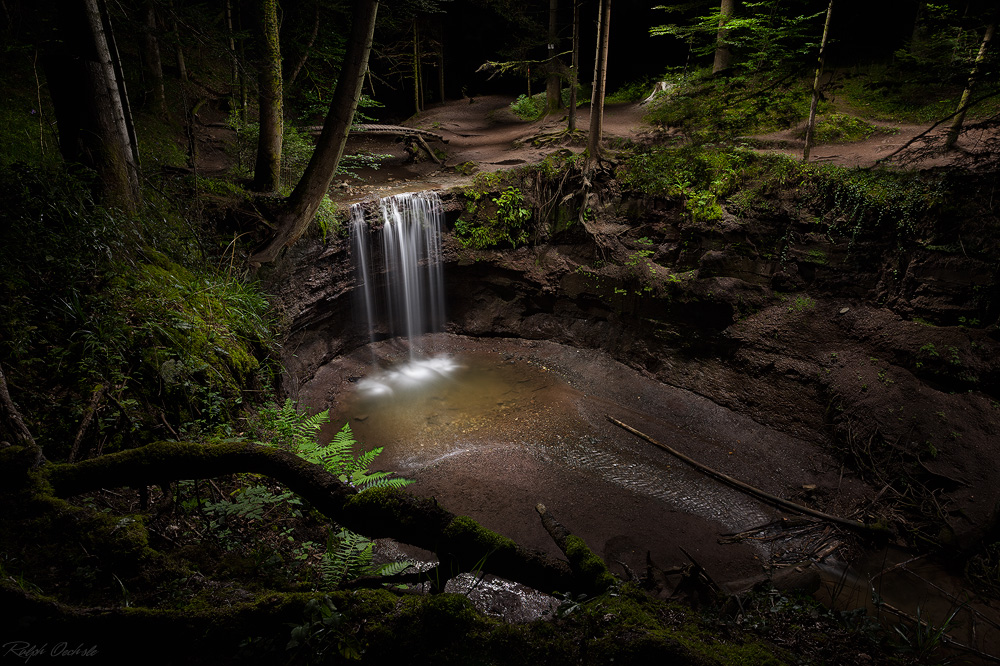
875	364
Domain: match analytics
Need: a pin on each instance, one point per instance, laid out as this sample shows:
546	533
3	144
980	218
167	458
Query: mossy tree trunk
267	171
295	216
376	513
811	123
963	105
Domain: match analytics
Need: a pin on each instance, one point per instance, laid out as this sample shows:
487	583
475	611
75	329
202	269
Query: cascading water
401	281
401	284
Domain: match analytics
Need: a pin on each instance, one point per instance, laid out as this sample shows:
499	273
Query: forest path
485	133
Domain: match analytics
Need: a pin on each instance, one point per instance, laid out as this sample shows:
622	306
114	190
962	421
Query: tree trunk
811	124
553	84
87	93
13	431
267	171
723	56
375	513
441	65
154	65
179	48
963	105
417	97
600	73
305	52
298	211
574	75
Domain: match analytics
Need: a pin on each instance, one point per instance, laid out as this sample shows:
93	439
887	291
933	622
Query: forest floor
483	135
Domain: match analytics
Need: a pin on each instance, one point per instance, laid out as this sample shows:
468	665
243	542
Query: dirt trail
482	131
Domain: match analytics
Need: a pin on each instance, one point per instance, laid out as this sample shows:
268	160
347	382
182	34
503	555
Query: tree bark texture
154	64
417	96
574	76
267	170
377	513
963	105
13	431
600	73
178	47
298	211
88	100
723	55
553	83
811	123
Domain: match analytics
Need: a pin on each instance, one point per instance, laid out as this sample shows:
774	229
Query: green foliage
633	91
297	150
321	634
527	108
287	428
873	198
508	226
89	308
843	128
763	35
911	93
349	556
710	109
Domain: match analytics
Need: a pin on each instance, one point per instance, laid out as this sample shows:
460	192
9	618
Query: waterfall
400	281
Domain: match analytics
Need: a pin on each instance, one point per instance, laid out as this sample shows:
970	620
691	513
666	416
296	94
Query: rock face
883	351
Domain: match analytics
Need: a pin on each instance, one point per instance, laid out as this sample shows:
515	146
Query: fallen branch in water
750	490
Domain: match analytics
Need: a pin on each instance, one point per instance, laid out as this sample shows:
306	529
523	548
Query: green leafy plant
285	427
349	556
320	633
509	226
527	108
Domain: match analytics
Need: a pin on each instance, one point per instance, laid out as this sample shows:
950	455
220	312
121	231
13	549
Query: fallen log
378	512
589	569
393	130
763	496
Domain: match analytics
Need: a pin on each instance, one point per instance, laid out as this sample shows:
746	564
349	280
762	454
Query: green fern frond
365	460
394	568
362	480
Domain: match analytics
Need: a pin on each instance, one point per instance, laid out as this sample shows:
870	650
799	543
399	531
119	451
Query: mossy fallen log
459	541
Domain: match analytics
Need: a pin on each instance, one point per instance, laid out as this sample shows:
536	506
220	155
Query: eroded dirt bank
878	362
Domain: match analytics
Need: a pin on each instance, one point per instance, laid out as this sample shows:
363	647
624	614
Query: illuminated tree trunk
963	104
600	73
299	210
267	170
723	56
553	87
811	124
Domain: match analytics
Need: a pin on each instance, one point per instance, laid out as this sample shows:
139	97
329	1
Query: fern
349	556
294	431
